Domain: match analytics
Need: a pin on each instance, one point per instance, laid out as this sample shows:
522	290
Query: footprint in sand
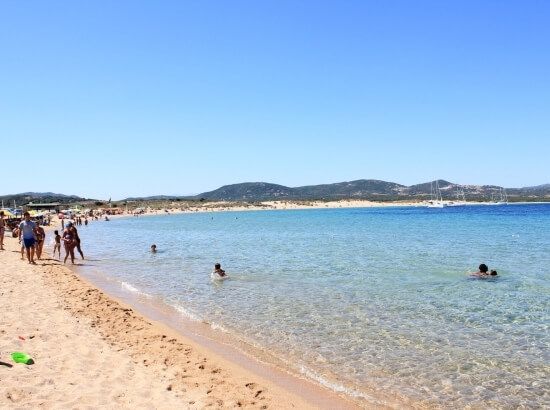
16	395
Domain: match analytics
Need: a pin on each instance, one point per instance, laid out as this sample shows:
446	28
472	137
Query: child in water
57	246
218	270
153	248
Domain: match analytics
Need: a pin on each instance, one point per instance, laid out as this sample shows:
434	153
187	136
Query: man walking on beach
27	229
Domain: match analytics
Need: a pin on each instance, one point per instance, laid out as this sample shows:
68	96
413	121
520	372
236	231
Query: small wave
129	287
132	289
338	388
189	314
216	326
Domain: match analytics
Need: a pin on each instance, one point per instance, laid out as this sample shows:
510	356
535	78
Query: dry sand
92	351
285	205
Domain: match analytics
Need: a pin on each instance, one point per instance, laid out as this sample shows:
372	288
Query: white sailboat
501	198
436	200
460	198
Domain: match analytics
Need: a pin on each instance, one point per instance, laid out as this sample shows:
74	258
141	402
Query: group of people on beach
32	237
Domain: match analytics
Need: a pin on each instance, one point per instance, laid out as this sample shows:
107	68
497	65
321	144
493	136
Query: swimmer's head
68	225
153	247
483	268
493	273
217	266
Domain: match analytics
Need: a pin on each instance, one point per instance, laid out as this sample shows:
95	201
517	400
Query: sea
375	304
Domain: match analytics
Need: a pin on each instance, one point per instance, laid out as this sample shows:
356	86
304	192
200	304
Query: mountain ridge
366	189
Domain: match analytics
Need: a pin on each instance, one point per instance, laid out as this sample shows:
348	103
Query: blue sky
138	98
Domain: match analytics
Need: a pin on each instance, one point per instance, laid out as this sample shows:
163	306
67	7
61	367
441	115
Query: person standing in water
69	242
57	246
76	240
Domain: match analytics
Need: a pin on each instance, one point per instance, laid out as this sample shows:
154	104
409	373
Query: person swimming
218	270
484	272
153	248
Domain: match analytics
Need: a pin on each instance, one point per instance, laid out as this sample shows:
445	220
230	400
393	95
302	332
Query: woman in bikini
69	241
76	240
40	238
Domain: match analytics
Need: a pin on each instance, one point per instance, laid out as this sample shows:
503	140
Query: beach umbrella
61	215
8	213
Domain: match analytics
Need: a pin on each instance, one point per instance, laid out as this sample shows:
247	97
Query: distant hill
541	187
262	191
39	197
156	198
248	191
47	194
369	189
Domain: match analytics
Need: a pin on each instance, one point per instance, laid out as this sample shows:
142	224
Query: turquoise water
372	302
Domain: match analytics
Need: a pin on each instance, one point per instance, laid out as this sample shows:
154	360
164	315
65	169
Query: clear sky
135	98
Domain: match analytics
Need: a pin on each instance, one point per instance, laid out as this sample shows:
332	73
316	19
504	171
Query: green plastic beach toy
21	358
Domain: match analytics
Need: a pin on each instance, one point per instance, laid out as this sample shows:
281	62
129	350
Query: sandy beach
285	205
93	351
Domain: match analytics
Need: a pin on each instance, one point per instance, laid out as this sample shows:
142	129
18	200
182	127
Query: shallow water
372	302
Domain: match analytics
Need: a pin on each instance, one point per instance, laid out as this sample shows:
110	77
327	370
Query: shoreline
176	370
225	344
221	206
